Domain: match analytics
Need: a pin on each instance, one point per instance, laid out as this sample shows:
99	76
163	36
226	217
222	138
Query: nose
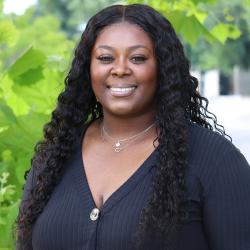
121	68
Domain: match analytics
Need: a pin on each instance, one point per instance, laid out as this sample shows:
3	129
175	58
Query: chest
66	224
106	173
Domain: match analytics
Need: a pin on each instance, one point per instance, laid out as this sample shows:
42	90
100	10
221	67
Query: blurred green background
36	49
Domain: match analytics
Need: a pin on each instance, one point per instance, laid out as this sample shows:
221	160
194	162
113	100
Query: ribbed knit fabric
218	203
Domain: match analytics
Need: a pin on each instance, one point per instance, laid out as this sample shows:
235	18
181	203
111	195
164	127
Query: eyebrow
129	48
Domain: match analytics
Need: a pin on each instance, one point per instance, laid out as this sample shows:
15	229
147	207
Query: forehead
123	34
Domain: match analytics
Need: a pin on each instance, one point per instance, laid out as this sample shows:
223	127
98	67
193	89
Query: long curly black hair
177	103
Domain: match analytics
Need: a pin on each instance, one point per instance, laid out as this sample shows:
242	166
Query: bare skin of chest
107	170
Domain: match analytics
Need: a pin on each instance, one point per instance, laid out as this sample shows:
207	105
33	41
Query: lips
121	91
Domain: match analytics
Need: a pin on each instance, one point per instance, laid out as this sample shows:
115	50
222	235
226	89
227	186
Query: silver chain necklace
119	143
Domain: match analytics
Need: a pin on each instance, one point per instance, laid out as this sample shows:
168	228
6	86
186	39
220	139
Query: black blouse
217	202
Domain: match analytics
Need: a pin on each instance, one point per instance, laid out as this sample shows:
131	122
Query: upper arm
29	184
227	204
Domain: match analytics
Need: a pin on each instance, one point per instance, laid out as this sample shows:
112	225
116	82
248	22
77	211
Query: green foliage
8	33
34	57
8	208
224	31
71	14
233	51
29	61
1	6
189	19
6	192
192	13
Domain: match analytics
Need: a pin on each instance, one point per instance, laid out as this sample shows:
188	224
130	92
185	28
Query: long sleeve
26	193
227	204
28	185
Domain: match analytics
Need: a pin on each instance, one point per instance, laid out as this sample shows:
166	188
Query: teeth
115	89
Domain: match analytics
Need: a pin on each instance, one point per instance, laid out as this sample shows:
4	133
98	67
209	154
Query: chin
122	110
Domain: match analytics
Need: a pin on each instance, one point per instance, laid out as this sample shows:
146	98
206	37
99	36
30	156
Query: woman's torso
66	224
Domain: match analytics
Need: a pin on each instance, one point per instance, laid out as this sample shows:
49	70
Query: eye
105	58
138	59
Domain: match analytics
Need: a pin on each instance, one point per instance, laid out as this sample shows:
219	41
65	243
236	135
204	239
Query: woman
129	159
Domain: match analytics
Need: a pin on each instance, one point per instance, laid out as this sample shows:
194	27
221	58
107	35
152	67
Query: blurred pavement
233	112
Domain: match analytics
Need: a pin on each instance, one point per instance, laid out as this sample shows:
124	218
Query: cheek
98	78
98	75
149	76
95	80
94	72
152	71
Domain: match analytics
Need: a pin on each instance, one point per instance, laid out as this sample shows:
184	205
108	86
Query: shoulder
208	155
207	146
219	179
203	139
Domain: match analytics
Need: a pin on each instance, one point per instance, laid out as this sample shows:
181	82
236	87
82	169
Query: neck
122	127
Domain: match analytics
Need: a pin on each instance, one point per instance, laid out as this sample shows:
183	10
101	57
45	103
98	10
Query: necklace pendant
118	147
117	150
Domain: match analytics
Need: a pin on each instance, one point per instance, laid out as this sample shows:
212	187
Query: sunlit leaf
40	97
17	103
31	59
6	114
203	1
223	31
8	33
7	155
10	216
30	77
201	16
23	135
189	27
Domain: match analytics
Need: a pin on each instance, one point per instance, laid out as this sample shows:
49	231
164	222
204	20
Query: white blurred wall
232	111
211	83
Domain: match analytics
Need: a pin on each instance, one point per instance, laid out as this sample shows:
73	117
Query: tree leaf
30	77
30	59
8	33
41	96
203	1
189	27
223	31
6	114
23	135
6	242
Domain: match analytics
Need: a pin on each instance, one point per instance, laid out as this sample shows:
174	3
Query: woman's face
123	70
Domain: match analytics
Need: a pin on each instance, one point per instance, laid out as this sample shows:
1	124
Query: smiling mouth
121	91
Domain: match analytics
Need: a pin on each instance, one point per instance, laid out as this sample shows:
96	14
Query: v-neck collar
83	188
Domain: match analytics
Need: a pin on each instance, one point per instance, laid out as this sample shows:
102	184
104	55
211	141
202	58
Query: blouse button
94	214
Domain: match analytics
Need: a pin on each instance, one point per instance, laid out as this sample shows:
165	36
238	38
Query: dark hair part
177	103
